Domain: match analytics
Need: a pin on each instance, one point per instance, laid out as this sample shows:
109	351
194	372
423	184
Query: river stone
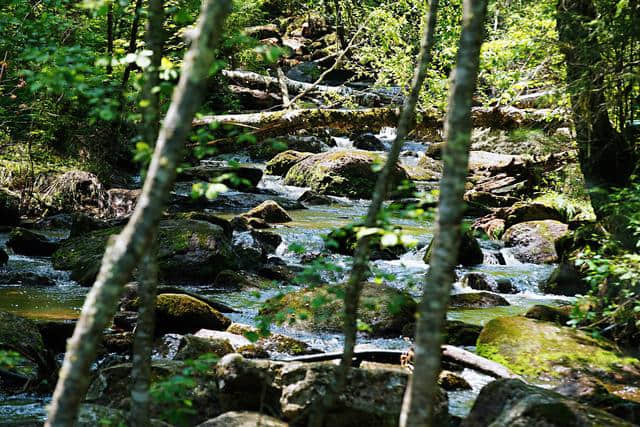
190	347
367	141
4	257
241	280
511	402
243	419
385	309
342	173
545	352
190	252
26	242
239	178
343	241
559	315
284	161
274	343
528	211
482	282
9	208
179	313
451	381
55	333
312	198
427	169
269	211
469	253
235	340
566	280
22	336
534	241
476	300
25	278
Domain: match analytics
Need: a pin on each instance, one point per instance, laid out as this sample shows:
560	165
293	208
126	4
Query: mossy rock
343	241
193	347
559	315
26	242
276	343
243	419
385	309
270	212
284	161
342	173
237	280
534	241
532	211
452	382
9	208
469	253
240	178
22	336
190	251
476	300
566	279
179	313
545	352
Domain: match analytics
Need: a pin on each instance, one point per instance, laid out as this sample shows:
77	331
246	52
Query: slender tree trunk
125	251
110	37
143	344
342	42
606	159
361	255
418	405
133	38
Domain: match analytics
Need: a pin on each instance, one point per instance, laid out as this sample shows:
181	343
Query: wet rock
243	419
129	300
229	202
122	201
82	223
312	198
567	280
434	150
26	242
469	254
306	72
491	226
427	169
343	240
385	309
238	280
527	211
234	339
9	208
189	252
239	178
491	200
243	223
482	282
274	343
55	333
341	173
206	217
182	314
249	251
559	315
476	300
276	271
367	141
25	278
268	239
452	382
269	211
284	161
534	241
512	402
22	336
4	257
118	342
460	333
190	347
543	351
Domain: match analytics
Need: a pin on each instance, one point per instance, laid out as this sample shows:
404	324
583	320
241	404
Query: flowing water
64	301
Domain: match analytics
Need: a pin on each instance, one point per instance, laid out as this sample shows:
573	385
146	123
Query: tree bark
110	37
133	37
361	255
606	159
419	397
143	342
125	251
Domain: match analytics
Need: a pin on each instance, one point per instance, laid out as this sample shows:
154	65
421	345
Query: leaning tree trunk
418	405
125	251
361	255
606	159
148	268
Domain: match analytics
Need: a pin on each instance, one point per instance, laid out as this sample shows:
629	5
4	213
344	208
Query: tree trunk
125	251
361	255
606	159
110	37
133	38
143	343
419	398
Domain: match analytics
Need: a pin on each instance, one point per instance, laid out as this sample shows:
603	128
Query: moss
542	351
383	308
185	314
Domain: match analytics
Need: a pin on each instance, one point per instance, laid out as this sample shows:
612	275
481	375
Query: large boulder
383	308
476	300
341	173
76	191
483	282
25	278
511	402
367	141
527	211
284	161
26	242
179	313
534	241
34	361
546	352
190	347
469	253
240	177
243	419
269	211
9	208
190	252
373	397
273	343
